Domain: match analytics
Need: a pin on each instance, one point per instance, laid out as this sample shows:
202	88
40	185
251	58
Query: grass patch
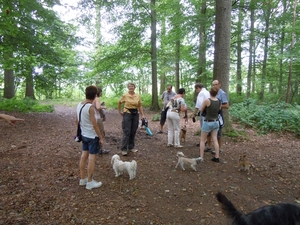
24	105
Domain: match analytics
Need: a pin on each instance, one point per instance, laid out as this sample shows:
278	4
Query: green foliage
147	99
156	117
26	105
266	118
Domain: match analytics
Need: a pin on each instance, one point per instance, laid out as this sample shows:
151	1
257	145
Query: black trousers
130	124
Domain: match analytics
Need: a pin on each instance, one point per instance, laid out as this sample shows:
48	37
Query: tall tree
154	105
201	72
222	46
239	49
267	14
251	47
292	55
222	43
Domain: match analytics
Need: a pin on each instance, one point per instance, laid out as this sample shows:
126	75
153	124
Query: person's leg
93	151
176	127
202	142
214	134
91	166
170	129
126	127
162	122
209	141
82	163
134	127
220	137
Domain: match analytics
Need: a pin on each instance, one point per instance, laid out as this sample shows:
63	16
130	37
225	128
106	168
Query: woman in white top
177	105
91	138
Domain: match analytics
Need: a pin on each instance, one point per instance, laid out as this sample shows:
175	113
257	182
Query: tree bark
239	49
291	58
29	84
9	77
222	43
222	48
251	47
155	105
201	75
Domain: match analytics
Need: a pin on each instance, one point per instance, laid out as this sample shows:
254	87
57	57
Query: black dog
280	214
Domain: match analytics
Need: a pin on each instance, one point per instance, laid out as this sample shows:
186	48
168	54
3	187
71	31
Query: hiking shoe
124	153
159	132
133	150
83	182
214	159
207	149
104	151
178	146
214	152
93	184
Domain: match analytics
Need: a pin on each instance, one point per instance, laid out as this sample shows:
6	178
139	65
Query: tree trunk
251	47
177	60
222	43
222	48
163	59
282	45
266	46
155	105
239	50
201	74
29	84
291	58
9	77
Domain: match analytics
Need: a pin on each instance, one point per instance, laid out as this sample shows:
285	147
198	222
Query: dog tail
229	209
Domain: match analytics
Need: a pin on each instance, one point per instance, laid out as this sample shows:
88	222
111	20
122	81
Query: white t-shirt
202	95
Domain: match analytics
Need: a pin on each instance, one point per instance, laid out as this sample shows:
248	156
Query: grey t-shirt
166	96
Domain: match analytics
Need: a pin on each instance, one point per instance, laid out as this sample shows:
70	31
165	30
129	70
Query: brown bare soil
40	175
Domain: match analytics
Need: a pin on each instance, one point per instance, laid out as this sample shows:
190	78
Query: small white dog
119	166
192	162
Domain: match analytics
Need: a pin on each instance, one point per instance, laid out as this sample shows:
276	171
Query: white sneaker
178	146
124	153
133	150
93	184
83	182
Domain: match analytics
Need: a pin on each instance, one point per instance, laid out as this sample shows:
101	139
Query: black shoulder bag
78	137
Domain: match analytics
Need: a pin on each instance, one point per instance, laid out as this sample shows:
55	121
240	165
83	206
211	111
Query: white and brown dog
192	162
120	167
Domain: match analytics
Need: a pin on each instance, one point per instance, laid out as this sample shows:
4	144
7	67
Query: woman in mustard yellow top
132	107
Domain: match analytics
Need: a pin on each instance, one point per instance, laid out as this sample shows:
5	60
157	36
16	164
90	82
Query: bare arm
225	106
119	108
205	103
95	125
97	103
